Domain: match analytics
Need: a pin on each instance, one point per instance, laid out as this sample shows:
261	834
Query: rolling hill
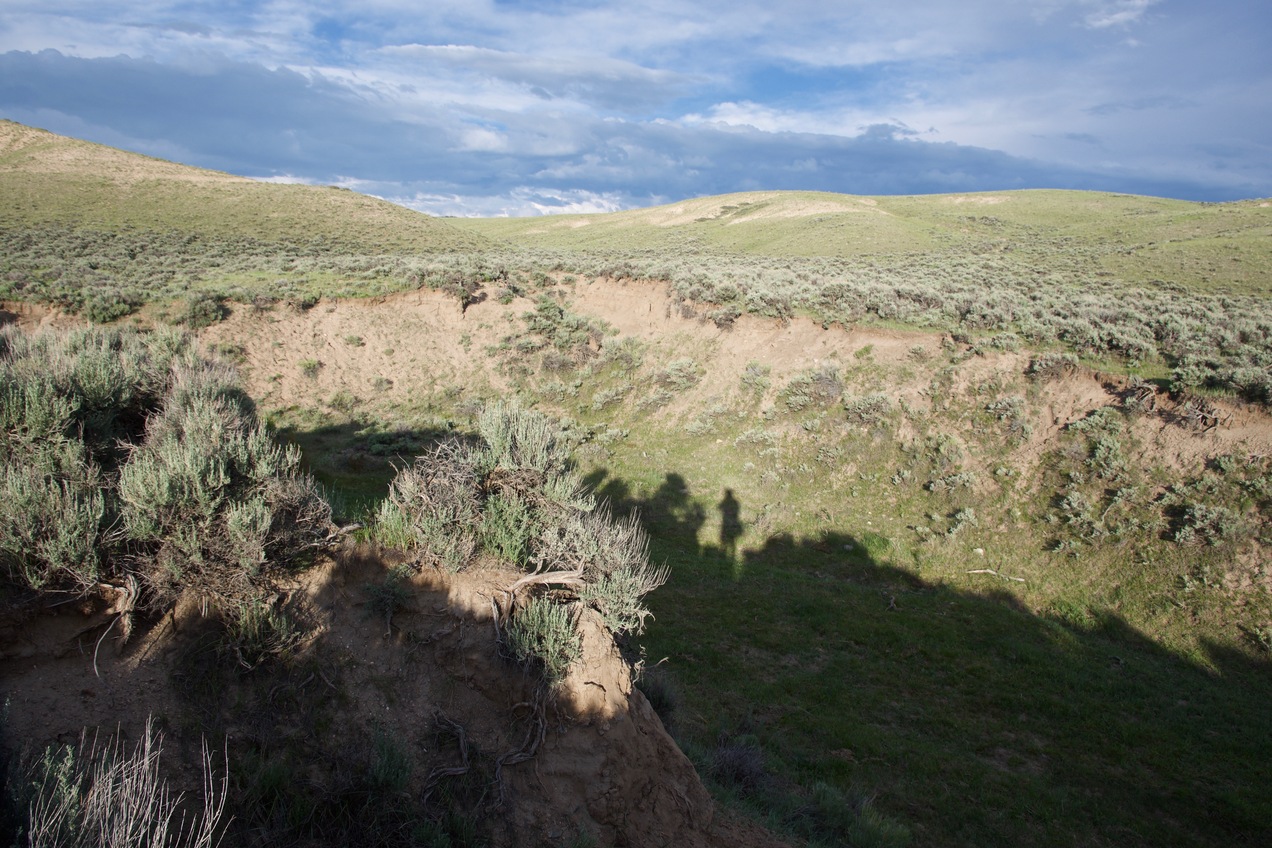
965	503
1139	239
51	180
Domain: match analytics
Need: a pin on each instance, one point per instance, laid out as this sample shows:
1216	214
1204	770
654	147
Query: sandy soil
385	351
598	759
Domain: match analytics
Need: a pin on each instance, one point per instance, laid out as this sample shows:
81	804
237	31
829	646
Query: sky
480	107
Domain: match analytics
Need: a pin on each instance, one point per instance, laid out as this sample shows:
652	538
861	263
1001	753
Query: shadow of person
730	524
673	512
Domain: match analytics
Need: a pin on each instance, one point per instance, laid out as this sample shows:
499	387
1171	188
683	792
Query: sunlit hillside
963	506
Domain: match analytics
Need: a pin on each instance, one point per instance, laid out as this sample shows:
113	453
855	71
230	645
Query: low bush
1208	524
755	377
434	505
515	496
868	409
1049	366
678	375
121	451
257	632
820	386
542	635
212	499
613	558
52	520
203	310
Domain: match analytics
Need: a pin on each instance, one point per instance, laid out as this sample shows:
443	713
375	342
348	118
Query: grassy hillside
967	501
48	179
1207	247
101	231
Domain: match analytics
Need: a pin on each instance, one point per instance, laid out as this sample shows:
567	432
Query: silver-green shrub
434	505
516	497
868	409
211	497
52	517
542	633
612	556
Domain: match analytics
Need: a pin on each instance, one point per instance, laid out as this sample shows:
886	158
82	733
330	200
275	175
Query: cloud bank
531	108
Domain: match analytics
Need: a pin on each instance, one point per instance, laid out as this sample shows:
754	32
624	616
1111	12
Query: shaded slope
374	731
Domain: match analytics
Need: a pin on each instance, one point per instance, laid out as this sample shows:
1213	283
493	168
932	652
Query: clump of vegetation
1011	411
211	498
869	409
557	327
678	375
542	634
123	453
257	632
1050	366
515	496
820	387
755	377
433	506
102	795
202	310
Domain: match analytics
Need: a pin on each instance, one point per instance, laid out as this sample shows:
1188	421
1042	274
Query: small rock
979	551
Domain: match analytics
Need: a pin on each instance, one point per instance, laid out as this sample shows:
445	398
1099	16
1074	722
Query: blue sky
475	107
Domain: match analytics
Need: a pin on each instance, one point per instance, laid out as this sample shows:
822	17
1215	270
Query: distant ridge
1135	237
48	179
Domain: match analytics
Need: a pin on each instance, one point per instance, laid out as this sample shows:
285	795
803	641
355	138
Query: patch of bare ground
589	757
35	316
387	350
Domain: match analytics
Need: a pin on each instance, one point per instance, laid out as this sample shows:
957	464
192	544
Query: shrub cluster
124	453
512	495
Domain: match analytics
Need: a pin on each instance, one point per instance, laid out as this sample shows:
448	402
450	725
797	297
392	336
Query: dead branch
996	574
438	774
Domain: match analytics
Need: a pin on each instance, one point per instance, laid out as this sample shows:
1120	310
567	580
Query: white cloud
518	201
1117	13
609	83
484	101
482	139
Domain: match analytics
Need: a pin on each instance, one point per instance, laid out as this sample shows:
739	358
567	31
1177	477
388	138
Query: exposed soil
589	757
383	352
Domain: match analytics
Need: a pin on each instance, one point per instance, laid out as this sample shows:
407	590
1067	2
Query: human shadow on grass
977	719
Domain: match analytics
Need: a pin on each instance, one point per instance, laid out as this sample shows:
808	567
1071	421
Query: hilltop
49	180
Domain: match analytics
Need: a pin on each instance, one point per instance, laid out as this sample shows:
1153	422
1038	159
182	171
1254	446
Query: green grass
1208	247
50	180
820	608
873	593
976	722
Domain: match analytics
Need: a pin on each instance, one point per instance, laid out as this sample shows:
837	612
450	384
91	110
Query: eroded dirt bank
469	732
